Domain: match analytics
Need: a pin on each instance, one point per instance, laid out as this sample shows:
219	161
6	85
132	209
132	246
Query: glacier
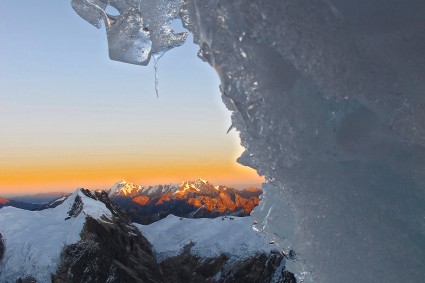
329	99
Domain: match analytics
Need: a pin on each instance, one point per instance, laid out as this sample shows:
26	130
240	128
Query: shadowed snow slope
34	239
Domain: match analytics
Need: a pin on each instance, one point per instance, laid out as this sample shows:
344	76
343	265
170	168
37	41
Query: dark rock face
187	267
76	208
258	268
110	250
1	247
288	277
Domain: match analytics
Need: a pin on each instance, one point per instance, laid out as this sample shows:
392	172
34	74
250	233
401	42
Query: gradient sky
70	117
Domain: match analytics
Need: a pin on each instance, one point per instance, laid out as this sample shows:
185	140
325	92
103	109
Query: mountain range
88	238
192	199
49	202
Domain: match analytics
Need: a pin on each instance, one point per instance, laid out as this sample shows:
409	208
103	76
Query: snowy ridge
34	239
123	188
159	189
127	189
232	236
196	185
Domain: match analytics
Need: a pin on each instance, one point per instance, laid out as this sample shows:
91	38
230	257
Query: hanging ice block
128	39
142	28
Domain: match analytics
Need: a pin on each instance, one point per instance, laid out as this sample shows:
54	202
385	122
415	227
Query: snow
34	239
60	199
211	237
123	188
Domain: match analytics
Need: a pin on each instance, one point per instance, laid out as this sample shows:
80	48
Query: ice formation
141	30
329	99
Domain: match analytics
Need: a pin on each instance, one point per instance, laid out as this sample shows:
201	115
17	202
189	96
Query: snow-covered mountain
124	189
34	239
87	238
210	237
227	249
194	199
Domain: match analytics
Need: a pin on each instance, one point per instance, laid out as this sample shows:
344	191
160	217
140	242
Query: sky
70	117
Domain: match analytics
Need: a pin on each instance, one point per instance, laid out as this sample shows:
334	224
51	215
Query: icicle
156	58
232	126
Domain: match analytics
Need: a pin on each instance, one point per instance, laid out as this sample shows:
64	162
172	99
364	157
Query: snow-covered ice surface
211	237
34	239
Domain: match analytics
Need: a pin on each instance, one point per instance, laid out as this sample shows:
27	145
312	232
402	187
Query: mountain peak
197	184
124	188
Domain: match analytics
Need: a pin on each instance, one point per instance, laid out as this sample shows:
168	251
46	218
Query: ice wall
329	98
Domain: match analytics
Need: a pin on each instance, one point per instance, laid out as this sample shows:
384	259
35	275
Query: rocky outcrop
260	267
76	208
110	250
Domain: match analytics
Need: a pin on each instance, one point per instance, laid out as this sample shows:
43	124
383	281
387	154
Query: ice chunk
90	10
142	28
159	15
128	38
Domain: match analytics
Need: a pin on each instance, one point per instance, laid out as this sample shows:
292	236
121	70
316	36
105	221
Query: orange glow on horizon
30	178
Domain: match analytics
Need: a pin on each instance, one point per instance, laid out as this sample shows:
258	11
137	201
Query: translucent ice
159	15
142	28
91	11
128	38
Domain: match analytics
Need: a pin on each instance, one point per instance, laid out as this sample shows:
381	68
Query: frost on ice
141	30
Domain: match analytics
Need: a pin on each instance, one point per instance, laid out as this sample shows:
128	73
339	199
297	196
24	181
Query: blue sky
64	104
